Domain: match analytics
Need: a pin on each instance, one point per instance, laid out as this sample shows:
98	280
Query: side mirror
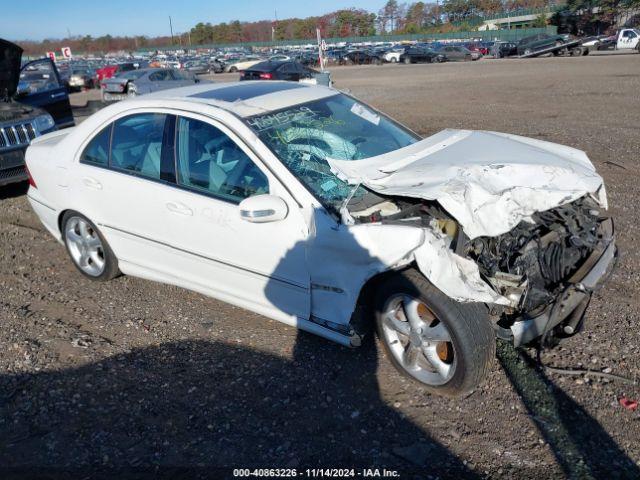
263	209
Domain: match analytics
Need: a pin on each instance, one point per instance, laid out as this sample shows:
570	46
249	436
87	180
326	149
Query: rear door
160	80
121	182
40	86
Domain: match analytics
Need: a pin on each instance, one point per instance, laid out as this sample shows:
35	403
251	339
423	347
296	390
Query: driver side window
211	162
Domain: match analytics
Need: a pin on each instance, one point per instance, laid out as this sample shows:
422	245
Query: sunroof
244	91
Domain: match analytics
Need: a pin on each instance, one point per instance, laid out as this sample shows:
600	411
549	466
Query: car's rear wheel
406	60
445	345
87	248
233	70
393	60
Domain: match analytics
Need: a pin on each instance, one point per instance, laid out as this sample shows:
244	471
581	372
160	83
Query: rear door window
136	144
97	151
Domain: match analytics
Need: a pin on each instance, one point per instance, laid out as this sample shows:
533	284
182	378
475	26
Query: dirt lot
133	374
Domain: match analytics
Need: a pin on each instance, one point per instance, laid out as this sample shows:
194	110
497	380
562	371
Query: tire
527	51
460	363
393	60
406	60
95	247
233	70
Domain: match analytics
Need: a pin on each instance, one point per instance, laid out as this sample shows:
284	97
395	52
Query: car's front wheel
445	345
87	248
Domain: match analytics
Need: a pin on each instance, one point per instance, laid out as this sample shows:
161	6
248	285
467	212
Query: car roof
246	98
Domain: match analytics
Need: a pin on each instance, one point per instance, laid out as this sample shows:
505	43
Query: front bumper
572	302
12	166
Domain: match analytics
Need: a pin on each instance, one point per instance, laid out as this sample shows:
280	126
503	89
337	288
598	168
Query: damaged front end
542	266
543	271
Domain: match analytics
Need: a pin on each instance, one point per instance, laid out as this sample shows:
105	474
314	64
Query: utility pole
171	28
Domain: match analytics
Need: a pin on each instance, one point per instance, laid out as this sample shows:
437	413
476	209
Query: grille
13	172
17	135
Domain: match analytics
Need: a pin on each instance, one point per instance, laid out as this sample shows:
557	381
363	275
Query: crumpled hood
487	181
10	57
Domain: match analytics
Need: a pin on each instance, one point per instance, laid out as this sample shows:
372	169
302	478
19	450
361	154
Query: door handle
179	208
92	183
56	95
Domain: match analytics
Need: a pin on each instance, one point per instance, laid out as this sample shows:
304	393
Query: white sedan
309	207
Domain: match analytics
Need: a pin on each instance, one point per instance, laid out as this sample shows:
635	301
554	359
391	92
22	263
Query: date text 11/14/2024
316	473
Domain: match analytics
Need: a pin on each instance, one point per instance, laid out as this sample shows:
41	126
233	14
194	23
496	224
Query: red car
112	70
478	47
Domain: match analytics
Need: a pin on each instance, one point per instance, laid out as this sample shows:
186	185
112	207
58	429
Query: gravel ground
136	376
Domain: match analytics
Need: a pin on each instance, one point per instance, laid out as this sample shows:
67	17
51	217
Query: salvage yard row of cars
310	207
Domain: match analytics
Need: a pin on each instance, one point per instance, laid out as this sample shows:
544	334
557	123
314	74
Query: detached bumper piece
570	306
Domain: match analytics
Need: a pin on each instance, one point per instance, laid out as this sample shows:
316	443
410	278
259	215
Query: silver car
147	80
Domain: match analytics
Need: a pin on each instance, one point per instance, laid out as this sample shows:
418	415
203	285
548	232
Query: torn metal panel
457	277
343	258
487	181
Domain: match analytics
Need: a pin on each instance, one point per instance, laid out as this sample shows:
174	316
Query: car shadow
369	431
580	444
193	406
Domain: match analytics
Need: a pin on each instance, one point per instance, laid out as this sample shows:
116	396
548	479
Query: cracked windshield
338	127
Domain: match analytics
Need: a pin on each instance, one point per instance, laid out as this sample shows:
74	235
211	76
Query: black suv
33	101
421	55
535	43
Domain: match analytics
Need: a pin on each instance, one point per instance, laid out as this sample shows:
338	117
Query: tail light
242	74
103	85
32	182
266	76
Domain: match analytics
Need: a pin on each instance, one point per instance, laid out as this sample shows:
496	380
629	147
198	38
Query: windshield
338	127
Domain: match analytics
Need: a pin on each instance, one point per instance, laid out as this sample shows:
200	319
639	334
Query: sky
58	18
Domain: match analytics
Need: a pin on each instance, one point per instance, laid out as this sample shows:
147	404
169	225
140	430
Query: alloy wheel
418	340
85	246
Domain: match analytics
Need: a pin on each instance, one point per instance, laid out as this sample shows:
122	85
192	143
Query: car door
182	79
121	183
46	91
160	80
258	265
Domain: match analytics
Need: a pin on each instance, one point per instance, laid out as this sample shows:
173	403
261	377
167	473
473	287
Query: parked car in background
535	43
81	78
242	64
278	70
197	67
109	71
33	102
393	55
504	49
216	66
361	57
456	53
147	80
421	55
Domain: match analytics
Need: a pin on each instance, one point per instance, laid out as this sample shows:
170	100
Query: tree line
576	16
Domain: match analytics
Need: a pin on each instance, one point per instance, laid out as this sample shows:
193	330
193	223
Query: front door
258	265
40	86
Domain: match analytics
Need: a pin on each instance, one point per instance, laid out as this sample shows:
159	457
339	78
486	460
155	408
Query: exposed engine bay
530	265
